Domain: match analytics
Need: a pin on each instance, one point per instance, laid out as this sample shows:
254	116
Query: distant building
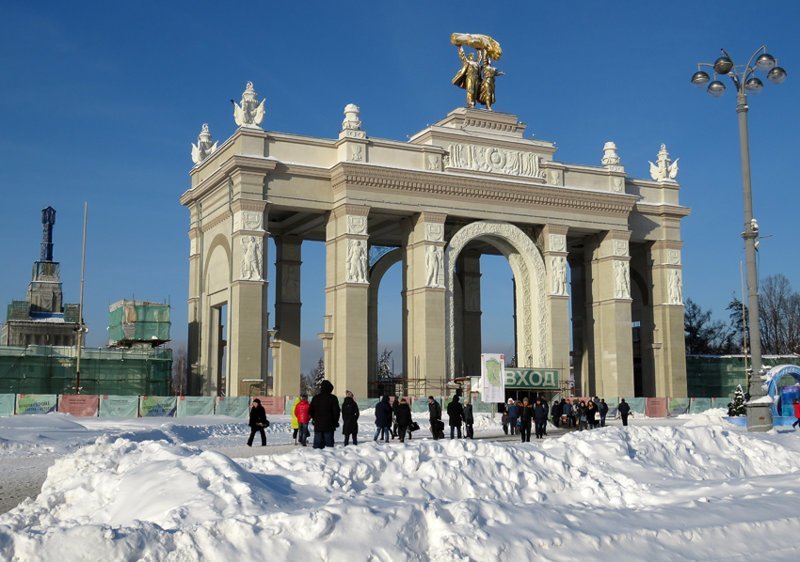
138	324
42	319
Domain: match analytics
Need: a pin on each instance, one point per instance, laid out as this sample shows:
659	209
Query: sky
99	103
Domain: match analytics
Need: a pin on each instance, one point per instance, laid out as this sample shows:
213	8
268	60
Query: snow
187	489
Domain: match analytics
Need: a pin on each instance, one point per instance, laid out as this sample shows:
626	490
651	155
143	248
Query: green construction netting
52	370
718	375
7	404
138	321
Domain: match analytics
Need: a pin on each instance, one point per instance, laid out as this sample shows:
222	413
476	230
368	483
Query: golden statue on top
477	75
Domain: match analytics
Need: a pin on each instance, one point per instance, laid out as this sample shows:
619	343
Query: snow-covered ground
687	488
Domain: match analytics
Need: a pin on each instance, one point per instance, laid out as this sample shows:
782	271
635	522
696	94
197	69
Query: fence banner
115	406
368	404
272	404
7	404
698	405
36	403
82	405
678	406
478	406
288	405
637	405
233	406
157	406
655	408
721	402
195	406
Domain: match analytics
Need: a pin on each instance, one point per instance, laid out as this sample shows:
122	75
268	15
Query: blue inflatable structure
783	391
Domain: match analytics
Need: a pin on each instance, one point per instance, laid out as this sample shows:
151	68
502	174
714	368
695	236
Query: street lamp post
759	412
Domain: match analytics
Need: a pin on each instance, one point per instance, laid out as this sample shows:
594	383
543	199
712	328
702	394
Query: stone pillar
668	317
553	241
286	371
425	296
346	300
247	310
469	263
581	311
193	383
611	295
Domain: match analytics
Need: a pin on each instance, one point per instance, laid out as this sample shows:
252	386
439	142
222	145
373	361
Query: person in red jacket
796	412
303	417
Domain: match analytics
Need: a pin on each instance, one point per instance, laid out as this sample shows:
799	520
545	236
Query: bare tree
779	316
703	335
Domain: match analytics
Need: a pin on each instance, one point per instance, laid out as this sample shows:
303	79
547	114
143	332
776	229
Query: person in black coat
603	411
350	415
435	417
403	417
555	411
469	420
456	413
540	417
258	421
324	411
624	410
525	417
383	419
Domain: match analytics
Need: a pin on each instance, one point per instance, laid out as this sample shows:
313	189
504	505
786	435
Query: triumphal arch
595	254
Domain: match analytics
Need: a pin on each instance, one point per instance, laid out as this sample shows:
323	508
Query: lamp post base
759	414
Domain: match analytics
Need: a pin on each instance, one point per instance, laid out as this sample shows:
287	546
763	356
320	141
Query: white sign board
493	377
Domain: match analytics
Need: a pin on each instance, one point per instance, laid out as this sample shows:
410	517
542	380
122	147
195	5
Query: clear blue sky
99	102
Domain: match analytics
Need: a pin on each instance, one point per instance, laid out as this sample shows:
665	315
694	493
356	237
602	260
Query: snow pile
663	492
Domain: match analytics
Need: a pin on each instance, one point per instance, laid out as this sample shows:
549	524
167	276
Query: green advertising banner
157	406
233	406
36	403
113	406
637	405
195	406
678	406
518	378
7	404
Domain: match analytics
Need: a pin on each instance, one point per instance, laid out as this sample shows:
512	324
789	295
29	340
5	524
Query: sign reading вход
520	378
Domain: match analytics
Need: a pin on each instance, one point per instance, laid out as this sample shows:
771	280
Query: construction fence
52	370
122	406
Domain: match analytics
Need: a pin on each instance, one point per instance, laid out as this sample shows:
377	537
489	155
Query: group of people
520	415
458	413
393	417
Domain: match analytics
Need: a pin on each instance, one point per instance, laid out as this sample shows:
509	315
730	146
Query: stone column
247	310
347	297
553	241
469	263
286	371
425	295
669	346
194	377
611	295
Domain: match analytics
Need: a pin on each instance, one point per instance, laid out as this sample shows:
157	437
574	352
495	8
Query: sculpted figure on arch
477	75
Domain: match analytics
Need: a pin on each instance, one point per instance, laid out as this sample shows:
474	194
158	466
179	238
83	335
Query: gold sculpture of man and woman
477	76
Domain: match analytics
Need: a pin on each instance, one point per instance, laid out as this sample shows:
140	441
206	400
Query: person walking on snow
383	419
591	414
303	419
513	415
796	412
324	410
555	411
456	413
258	421
403	417
624	410
526	417
603	410
295	423
469	420
350	415
435	417
540	417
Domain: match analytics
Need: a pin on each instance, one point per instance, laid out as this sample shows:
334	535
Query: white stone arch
529	271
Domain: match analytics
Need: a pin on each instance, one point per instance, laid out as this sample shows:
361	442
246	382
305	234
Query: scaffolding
39	369
138	322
